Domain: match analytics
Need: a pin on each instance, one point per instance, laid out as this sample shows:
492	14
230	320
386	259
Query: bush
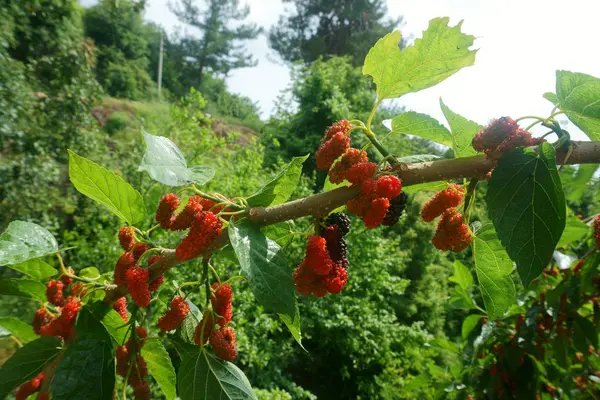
116	121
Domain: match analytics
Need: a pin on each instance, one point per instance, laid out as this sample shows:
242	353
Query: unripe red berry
342	126
138	250
375	213
137	283
141	391
66	280
122	355
64	324
166	208
79	289
54	292
124	263
221	303
205	229
126	238
317	258
120	306
184	219
157	282
30	387
175	316
337	173
502	135
223	343
452	233
336	280
388	186
40	319
447	198
360	172
329	151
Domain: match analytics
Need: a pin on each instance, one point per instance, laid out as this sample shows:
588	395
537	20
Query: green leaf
293	325
89	272
561	350
463	132
188	326
203	376
22	241
579	97
27	362
166	164
109	318
493	268
425	187
419	158
588	329
440	53
580	181
574	230
462	275
469	324
551	97
17	328
107	188
269	273
160	367
423	126
282	233
527	206
23	288
280	188
86	371
35	268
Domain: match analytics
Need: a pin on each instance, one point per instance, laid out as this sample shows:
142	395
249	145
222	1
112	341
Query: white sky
522	44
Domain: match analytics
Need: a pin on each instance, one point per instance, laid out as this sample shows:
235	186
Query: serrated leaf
493	267
282	233
27	362
106	188
423	126
575	229
293	325
280	188
462	276
102	313
551	97
35	268
23	288
160	367
418	158
86	371
462	130
188	326
23	240
268	271
425	187
579	97
526	203
17	328
440	53
469	324
580	181
166	164
203	376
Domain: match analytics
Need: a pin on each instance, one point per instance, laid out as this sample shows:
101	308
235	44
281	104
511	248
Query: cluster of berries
213	326
325	265
175	316
31	387
377	194
132	366
204	225
452	233
501	135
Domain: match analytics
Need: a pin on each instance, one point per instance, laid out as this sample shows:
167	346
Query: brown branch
321	204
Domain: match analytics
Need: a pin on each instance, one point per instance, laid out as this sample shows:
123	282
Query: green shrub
117	121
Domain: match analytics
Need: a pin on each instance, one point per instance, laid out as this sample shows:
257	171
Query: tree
219	49
324	28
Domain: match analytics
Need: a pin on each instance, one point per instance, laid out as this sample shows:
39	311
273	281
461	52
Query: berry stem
469	199
214	271
217	200
65	271
205	264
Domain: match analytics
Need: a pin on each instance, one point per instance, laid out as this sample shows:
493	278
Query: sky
521	45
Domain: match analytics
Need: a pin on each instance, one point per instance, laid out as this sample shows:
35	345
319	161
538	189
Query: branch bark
323	203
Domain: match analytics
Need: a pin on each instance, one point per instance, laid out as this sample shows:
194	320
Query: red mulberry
447	198
166	208
337	173
66	280
124	263
40	319
122	355
175	316
185	217
341	126
597	231
360	172
336	280
30	387
64	324
120	306
375	213
79	289
205	229
204	328
452	233
224	344
126	238
221	303
137	283
317	258
502	135
54	292
138	250
329	151
139	372
388	186
141	391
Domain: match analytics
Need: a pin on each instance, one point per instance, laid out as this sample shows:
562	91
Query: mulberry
40	319
317	258
175	316
397	206
360	172
54	292
307	282
120	307
223	343
336	280
64	324
204	328
375	213
139	372
389	186
66	280
341	220
137	283
221	303
337	173
185	217
452	233
205	229
336	245
79	289
341	126
126	238
138	250
502	135
141	391
597	231
30	387
447	198
166	208
124	263
122	355
329	151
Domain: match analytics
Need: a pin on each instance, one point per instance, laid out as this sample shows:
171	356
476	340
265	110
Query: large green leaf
204	376
493	268
280	188
293	325
86	371
22	241
575	229
188	326
527	206
19	329
579	97
462	130
267	269
462	276
35	268
160	367
27	362
23	288
423	126
469	323
580	181
166	164
107	188
111	321
440	53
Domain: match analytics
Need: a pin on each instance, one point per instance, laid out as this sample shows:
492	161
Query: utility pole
160	64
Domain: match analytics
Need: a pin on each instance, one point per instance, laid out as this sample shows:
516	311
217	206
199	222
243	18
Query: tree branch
323	203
